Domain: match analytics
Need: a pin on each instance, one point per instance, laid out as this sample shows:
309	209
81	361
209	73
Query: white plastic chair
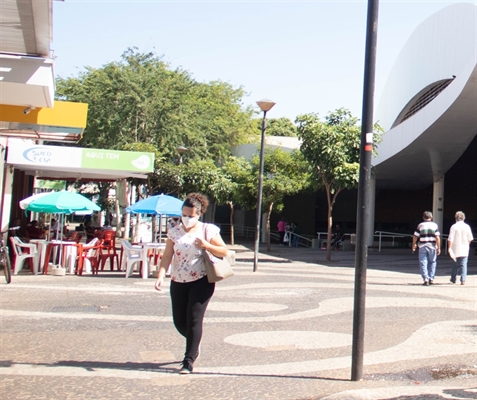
21	255
133	255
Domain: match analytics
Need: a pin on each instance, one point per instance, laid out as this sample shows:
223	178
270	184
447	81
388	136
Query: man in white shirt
460	237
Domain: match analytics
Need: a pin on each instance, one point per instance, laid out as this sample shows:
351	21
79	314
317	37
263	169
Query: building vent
422	100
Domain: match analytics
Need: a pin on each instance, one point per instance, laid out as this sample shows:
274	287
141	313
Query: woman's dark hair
197	201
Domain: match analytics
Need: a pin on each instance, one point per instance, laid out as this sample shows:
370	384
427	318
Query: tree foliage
284	174
141	99
277	127
332	149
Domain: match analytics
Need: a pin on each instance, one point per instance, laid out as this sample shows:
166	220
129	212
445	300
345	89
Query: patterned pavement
283	332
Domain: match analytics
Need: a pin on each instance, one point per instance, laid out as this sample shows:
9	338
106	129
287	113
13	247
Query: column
3	144
263	228
438	202
372	206
7	196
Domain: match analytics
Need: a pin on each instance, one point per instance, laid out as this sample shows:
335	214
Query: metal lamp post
181	150
265	105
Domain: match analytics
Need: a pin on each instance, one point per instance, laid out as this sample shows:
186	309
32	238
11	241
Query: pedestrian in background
282	228
337	238
460	237
190	290
427	238
296	232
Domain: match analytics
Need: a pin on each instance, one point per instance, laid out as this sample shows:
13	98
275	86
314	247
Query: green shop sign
37	155
117	160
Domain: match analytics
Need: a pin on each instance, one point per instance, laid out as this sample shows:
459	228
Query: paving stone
283	332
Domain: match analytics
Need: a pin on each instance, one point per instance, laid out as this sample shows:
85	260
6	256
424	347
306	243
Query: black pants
189	302
282	236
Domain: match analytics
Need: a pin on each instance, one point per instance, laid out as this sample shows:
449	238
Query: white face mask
189	222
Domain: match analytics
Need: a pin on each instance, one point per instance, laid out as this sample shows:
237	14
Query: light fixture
265	104
181	150
28	110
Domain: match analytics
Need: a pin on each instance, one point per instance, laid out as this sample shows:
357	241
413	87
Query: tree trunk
137	239
231	205
331	202
214	208
118	218
328	240
269	212
127	226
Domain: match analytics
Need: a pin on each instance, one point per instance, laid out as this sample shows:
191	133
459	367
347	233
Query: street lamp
181	150
265	105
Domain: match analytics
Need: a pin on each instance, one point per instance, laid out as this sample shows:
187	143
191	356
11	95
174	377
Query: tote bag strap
204	229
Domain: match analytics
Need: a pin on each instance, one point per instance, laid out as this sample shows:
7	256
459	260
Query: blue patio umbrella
161	204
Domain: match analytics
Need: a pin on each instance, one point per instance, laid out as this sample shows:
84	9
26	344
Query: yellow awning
65	122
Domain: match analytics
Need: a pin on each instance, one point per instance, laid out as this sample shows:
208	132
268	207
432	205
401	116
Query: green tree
284	174
223	188
141	99
167	178
332	148
198	175
276	127
232	187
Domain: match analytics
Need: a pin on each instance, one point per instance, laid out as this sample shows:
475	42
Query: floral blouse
188	262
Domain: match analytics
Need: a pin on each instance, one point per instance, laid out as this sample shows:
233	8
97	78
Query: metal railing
249	233
387	235
307	241
304	241
393	235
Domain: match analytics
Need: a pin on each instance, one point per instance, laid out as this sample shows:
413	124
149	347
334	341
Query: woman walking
190	290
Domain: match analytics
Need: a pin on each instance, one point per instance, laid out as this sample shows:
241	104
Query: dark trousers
282	236
189	302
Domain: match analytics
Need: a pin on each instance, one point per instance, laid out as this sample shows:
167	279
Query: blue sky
307	56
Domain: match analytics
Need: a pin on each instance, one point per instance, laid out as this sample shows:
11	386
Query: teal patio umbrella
63	202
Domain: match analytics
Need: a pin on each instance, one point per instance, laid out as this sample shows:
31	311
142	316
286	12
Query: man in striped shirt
427	238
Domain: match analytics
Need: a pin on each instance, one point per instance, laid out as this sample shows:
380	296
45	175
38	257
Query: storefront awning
27	81
77	163
65	122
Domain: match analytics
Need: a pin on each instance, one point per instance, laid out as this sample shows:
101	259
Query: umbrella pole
57	227
160	228
62	216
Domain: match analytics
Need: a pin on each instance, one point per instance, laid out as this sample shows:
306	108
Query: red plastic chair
74	236
90	252
108	250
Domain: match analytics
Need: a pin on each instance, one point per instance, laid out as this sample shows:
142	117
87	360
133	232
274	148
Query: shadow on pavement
164	367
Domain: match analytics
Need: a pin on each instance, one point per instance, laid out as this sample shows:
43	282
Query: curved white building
429	105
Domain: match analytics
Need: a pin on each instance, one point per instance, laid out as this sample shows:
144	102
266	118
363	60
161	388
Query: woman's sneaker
186	367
